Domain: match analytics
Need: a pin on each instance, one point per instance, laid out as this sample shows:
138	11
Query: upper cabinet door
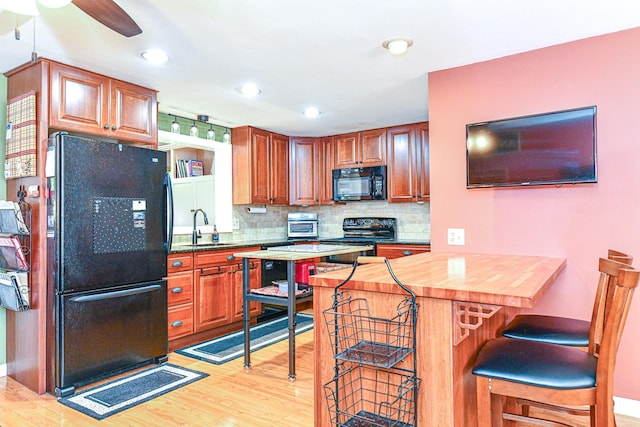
304	169
260	166
134	112
360	149
79	100
401	170
408	163
347	150
422	142
279	169
90	103
373	147
326	166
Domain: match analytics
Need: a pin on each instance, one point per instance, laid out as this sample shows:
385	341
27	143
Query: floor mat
110	398
228	347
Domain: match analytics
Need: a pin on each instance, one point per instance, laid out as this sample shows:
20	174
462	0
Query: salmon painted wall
579	222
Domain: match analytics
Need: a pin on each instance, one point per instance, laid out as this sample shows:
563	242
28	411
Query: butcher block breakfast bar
463	300
291	254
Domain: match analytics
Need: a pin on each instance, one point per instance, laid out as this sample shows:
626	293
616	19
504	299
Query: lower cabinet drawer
180	321
180	288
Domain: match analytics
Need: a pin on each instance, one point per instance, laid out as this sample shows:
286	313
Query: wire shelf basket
361	396
369	387
358	337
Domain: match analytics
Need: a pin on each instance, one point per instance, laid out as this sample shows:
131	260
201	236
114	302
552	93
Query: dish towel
21	137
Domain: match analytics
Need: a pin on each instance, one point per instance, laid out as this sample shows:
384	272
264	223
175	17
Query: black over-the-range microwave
367	183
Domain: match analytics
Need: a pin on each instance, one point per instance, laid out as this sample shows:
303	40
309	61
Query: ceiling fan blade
108	13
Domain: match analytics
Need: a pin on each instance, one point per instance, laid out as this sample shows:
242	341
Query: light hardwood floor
230	397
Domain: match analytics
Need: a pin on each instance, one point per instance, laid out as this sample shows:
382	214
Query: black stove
363	232
368	230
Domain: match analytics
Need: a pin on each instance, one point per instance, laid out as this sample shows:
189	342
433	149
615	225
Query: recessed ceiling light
311	112
250	89
397	45
155	56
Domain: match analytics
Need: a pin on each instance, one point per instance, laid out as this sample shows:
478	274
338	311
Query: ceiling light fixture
311	112
397	45
193	131
211	133
250	89
226	138
155	56
175	126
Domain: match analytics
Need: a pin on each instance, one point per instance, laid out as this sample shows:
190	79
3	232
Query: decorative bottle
215	236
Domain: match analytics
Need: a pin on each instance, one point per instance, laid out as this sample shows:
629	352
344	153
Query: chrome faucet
196	232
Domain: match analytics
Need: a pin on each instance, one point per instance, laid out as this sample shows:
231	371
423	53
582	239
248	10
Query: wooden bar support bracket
468	317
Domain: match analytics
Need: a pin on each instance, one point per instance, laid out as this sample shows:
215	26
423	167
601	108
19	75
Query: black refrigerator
108	236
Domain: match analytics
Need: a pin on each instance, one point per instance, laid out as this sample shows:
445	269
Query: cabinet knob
114	127
176	264
176	290
231	257
106	126
407	253
176	323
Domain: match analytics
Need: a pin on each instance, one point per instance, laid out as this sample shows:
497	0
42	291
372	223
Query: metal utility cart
290	254
374	381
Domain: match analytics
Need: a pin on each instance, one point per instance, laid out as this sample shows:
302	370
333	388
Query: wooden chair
564	330
558	377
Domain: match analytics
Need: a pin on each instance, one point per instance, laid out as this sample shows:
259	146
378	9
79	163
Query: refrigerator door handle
169	224
116	294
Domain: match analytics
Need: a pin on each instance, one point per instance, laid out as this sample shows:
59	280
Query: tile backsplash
414	221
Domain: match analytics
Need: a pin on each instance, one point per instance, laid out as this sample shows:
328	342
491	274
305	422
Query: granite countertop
187	247
209	246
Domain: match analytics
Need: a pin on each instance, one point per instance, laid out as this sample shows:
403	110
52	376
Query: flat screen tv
552	148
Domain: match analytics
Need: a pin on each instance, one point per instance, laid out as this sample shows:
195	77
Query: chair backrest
609	270
615	319
619	256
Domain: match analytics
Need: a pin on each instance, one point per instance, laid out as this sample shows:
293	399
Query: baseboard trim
627	407
3	370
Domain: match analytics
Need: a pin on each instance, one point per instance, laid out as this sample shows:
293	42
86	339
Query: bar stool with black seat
556	376
562	330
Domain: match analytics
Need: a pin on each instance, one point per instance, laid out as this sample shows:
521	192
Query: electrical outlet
455	236
235	224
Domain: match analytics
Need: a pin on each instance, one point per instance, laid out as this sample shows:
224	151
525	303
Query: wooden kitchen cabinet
180	295
398	250
218	281
408	163
304	167
311	163
213	291
205	295
260	167
85	102
360	149
327	164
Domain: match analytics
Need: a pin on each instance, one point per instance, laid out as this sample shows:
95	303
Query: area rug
228	347
107	399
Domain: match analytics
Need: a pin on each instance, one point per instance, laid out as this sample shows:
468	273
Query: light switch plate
455	236
235	224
